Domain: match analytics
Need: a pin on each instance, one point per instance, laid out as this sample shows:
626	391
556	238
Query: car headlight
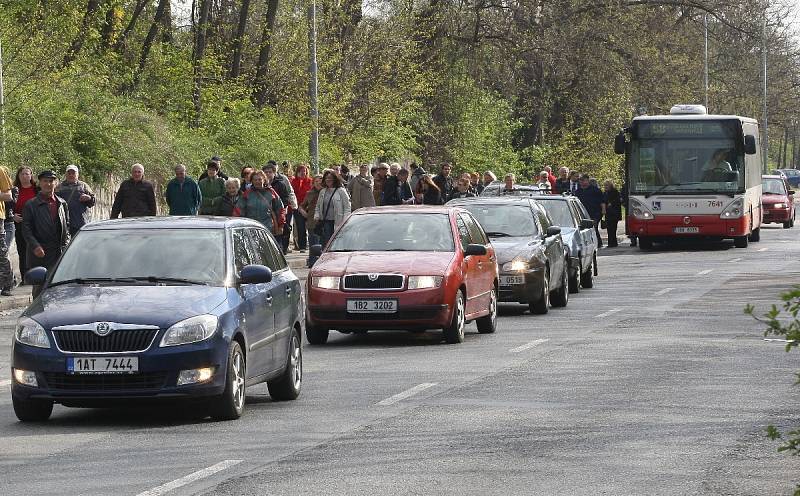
515	266
779	205
191	330
424	282
325	282
29	332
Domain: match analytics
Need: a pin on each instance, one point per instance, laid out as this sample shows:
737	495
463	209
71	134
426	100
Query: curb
16	301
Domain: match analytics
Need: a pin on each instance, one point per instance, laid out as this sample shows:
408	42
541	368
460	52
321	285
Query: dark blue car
160	308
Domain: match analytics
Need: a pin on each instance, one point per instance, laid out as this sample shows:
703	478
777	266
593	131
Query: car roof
554	197
771	176
521	200
172	222
406	209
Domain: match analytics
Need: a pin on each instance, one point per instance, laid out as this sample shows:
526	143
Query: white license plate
371	306
685	230
511	280
102	365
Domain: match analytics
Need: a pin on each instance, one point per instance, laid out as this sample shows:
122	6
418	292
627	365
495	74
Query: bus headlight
734	210
639	210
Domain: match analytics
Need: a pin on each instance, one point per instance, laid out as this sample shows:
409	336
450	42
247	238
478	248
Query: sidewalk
21	298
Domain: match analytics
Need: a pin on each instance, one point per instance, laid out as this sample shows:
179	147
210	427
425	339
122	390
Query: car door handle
268	298
288	290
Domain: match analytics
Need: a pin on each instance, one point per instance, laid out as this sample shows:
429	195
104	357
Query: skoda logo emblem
102	329
372	277
687	220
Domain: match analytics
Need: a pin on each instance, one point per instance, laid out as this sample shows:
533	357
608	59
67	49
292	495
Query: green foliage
783	321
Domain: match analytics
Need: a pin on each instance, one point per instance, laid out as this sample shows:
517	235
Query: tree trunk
107	35
92	6
137	11
166	24
238	40
260	84
199	52
785	143
795	161
148	41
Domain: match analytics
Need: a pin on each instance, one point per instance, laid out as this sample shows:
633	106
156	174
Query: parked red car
778	201
404	268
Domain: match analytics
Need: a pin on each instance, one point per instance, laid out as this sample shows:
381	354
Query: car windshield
395	232
182	254
559	211
504	220
774	186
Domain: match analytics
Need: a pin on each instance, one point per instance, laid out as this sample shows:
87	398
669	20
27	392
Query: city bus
691	174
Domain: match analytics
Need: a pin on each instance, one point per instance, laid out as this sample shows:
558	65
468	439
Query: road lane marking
528	346
734	260
188	479
704	272
663	292
6	382
606	314
762	249
391	400
773	340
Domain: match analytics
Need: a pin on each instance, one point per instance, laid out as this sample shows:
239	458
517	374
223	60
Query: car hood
507	249
770	198
151	305
408	263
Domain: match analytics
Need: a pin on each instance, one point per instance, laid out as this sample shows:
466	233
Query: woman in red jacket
27	190
301	184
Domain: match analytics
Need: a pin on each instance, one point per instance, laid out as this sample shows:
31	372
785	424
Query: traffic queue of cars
195	309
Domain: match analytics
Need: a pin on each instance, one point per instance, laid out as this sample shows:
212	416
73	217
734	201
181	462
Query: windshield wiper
170	279
90	280
659	190
498	234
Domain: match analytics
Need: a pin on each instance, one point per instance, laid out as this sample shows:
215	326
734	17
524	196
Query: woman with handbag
333	206
263	204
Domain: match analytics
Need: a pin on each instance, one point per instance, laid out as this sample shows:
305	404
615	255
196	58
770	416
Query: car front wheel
316	335
560	297
231	404
542	305
32	410
575	280
287	386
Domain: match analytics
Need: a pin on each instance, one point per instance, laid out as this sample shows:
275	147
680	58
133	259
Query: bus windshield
679	157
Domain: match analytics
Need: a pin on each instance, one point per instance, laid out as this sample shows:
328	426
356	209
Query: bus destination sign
685	129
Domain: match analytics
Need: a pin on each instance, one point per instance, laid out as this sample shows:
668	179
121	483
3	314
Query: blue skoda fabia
160	309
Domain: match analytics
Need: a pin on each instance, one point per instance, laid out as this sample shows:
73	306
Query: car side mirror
315	250
619	143
553	231
587	224
791	192
750	144
36	276
255	274
475	250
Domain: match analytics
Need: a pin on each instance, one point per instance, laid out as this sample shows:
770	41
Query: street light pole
765	159
705	62
2	107
313	93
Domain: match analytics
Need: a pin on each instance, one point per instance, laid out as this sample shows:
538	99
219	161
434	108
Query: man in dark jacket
79	198
135	197
562	182
397	191
183	194
445	182
594	201
283	187
416	175
45	224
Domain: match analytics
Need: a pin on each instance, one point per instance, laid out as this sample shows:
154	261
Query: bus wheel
740	241
755	236
645	243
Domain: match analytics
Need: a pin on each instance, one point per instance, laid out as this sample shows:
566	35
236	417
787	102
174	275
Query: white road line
194	476
773	340
528	346
762	249
6	382
734	260
391	400
704	272
663	292
606	314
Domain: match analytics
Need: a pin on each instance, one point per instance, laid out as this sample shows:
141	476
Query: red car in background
778	201
404	268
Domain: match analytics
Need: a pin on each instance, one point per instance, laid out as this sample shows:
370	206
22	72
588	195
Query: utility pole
2	107
705	63
313	93
766	108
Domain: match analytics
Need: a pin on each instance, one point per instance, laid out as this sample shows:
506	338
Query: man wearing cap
45	223
183	195
6	272
79	198
135	197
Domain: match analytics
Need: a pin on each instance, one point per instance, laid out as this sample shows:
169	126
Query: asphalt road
653	382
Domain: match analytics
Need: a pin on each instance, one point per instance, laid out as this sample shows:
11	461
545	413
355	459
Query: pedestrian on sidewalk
211	187
226	204
6	272
307	210
283	186
79	198
45	223
28	189
562	182
593	199
613	201
360	189
333	206
262	203
135	196
183	194
302	184
9	227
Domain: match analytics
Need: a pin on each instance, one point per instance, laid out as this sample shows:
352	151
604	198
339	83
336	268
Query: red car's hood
770	198
408	263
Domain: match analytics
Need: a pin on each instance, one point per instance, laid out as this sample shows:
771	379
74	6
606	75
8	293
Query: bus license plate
371	306
686	230
102	365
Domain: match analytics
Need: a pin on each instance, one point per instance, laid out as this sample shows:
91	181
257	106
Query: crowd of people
42	214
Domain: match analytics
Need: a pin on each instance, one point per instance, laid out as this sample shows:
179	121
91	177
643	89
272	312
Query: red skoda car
778	201
404	268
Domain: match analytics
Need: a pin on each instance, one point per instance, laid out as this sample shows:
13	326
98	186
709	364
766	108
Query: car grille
105	382
120	341
382	281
